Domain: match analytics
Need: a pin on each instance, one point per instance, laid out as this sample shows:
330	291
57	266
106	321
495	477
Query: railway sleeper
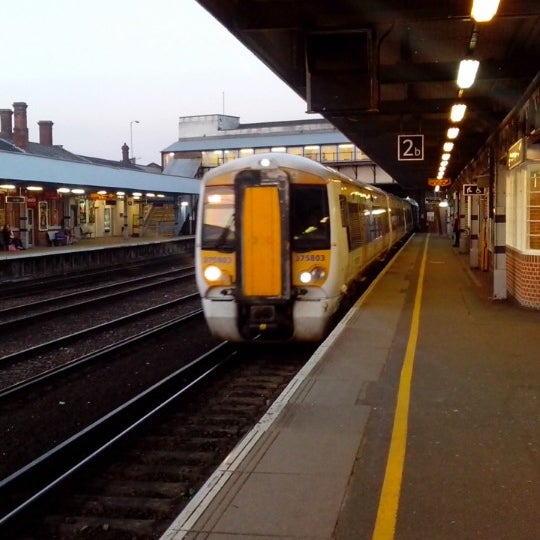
105	529
130	488
203	441
163	473
130	507
181	455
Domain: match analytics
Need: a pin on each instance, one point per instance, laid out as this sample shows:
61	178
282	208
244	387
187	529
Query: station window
329	153
312	152
345	152
262	150
212	158
359	154
229	155
295	150
167	158
534	210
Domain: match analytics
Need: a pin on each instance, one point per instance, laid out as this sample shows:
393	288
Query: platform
89	254
418	418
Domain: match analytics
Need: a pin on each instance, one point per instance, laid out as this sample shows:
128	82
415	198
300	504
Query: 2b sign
410	147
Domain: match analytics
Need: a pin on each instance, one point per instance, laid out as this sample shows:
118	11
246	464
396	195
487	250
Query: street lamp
131	139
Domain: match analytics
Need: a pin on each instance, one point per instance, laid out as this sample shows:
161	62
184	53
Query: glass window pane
329	153
218	219
310	221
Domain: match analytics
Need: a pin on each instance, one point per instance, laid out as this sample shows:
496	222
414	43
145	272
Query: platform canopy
384	72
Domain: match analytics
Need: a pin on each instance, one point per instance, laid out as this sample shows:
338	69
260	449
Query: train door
264	268
263	288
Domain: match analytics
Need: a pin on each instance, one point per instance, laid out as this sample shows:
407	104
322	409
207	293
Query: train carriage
280	240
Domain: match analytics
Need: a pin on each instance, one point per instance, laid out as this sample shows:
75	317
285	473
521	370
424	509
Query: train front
263	251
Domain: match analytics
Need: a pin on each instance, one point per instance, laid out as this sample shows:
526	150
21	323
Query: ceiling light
446	156
34	188
458	112
452	132
467	73
7	186
448	146
102	192
63	190
484	10
77	191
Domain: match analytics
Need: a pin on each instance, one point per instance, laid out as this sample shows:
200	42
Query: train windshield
218	229
310	219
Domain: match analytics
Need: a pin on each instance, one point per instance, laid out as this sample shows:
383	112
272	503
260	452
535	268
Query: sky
93	68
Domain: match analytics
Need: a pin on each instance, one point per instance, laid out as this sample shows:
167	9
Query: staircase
159	221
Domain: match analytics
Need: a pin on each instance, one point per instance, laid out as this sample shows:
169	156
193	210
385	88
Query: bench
57	237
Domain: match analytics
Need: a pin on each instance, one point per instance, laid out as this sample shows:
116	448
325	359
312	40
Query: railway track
46	337
62	341
144	461
34	310
23	288
49	376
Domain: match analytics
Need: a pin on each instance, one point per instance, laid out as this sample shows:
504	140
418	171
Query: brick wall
523	278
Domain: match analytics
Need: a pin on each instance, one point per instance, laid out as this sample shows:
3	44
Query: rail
22	491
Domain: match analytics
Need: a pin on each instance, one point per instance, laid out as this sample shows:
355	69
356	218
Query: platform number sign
410	147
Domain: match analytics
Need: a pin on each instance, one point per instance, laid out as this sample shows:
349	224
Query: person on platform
456	231
10	239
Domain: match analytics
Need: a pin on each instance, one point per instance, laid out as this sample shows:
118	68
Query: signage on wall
15	199
473	189
516	154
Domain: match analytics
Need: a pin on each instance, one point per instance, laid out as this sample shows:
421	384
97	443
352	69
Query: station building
497	200
45	189
206	141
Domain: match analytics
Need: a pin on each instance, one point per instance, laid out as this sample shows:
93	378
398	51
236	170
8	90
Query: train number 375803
309	258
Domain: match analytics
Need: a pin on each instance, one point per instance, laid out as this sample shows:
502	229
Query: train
282	240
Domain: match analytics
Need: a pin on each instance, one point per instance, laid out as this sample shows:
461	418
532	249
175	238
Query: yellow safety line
385	523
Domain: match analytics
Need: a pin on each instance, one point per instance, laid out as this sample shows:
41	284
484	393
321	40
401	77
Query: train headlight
212	273
316	274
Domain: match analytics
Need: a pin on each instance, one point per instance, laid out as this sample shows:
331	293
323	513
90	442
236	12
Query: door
30	226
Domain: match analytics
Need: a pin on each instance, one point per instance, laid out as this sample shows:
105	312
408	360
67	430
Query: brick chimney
45	132
6	126
125	154
20	133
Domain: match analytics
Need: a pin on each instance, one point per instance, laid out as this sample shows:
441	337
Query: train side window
218	227
310	221
343	211
355	226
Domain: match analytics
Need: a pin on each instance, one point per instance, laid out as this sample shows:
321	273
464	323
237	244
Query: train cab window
218	228
310	221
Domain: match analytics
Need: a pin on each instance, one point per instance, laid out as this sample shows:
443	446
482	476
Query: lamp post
131	139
